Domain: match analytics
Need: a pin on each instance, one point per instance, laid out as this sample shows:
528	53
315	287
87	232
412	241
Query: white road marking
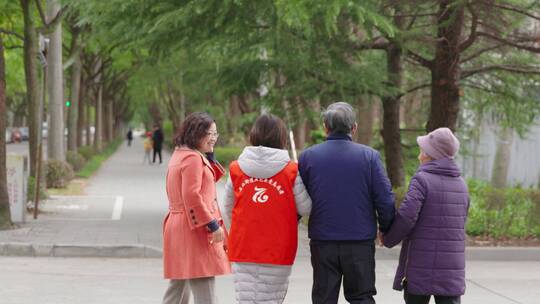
117	211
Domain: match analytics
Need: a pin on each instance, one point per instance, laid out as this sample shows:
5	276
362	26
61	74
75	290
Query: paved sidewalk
120	214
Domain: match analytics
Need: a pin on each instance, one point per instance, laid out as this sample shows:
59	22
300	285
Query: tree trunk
55	140
5	216
32	84
300	133
110	121
98	132
105	120
445	72
501	163
177	103
391	125
98	129
182	110
81	116
298	121
392	141
73	115
88	122
18	120
183	101
234	115
365	118
244	104
170	99
155	113
475	140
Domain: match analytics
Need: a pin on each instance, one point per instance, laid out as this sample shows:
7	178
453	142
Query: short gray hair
339	117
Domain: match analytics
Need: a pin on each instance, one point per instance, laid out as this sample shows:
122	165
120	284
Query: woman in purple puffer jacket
431	223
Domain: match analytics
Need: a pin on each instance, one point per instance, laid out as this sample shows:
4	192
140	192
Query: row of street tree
56	73
418	62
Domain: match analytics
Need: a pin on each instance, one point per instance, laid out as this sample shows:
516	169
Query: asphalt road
137	281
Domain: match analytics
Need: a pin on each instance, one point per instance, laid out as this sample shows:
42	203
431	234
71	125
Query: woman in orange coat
193	233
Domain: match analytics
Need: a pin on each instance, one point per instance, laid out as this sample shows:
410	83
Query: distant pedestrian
147	144
157	141
431	223
351	193
129	137
193	233
264	194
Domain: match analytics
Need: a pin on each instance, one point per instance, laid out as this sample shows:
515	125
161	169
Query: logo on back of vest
259	196
268	181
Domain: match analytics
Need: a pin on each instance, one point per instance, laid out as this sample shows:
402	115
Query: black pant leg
357	260
159	153
326	272
154	157
415	299
447	300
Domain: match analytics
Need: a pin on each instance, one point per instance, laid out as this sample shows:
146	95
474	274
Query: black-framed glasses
213	134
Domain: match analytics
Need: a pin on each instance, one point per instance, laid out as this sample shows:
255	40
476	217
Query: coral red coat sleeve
196	209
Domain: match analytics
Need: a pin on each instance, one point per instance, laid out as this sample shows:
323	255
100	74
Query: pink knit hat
440	143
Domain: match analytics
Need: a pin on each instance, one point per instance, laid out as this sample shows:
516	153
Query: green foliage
87	152
317	136
498	213
31	186
168	133
410	157
399	195
76	160
247	121
210	51
505	98
215	49
501	213
58	173
225	155
5	218
95	162
297	14
11	20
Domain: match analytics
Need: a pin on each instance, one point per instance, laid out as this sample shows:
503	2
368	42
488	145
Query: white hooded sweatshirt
263	283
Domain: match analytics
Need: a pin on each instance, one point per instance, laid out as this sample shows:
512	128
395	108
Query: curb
508	254
79	250
503	254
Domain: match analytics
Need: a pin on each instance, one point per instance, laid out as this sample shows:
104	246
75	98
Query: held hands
217	236
380	241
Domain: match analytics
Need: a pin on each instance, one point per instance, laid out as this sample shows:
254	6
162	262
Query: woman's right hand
381	239
217	236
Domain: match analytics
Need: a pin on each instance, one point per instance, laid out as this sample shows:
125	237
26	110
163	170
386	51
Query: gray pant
147	157
178	291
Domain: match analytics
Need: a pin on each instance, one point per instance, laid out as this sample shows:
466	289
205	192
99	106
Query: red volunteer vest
264	223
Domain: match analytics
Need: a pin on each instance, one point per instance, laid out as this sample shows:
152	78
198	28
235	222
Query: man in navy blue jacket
350	193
